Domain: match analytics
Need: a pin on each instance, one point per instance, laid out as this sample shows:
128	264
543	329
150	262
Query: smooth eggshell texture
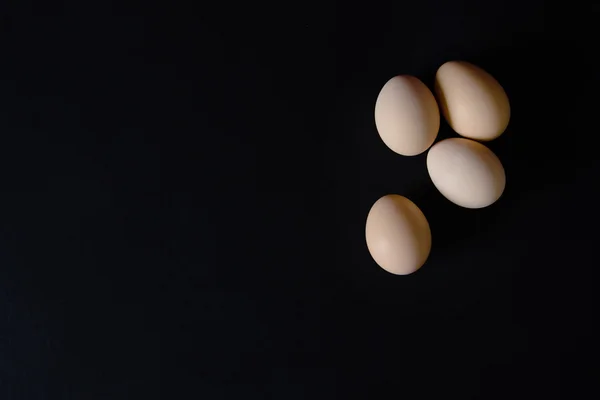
407	116
472	101
466	172
398	235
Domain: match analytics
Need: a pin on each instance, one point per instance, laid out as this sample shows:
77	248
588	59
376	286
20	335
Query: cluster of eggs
464	171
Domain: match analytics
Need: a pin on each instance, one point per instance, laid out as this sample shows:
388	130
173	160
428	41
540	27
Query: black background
184	188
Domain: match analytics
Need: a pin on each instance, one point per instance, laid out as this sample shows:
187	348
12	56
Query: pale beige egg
466	172
406	115
398	235
472	101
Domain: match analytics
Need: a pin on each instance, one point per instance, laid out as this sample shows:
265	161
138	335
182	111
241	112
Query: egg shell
472	101
398	235
466	172
406	115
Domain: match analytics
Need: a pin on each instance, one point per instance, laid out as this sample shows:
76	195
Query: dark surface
184	192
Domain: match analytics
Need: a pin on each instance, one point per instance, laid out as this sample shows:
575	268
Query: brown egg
466	172
472	101
398	235
407	116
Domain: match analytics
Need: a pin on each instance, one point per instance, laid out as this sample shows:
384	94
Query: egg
472	101
398	235
406	115
466	172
